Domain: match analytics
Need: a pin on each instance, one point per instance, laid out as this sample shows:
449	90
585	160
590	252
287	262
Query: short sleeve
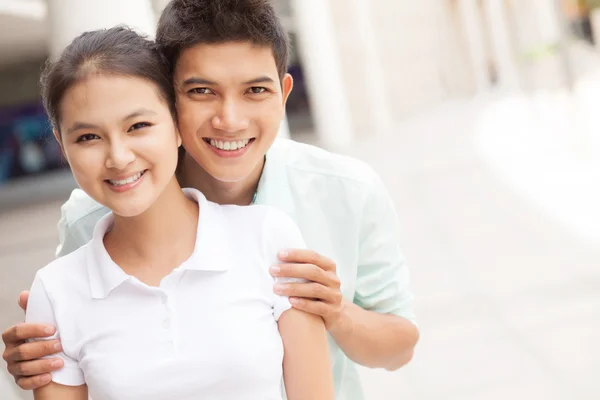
383	280
40	311
281	232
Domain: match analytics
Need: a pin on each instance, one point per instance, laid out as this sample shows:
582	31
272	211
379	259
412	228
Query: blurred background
482	117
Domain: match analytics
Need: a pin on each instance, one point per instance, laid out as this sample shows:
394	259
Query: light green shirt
344	213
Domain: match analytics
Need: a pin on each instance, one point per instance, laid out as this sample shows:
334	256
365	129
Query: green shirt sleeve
382	276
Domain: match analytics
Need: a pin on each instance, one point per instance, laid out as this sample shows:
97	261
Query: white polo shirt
209	331
344	212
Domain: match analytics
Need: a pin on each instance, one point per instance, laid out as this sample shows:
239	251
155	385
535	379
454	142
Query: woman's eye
201	91
257	89
87	137
139	125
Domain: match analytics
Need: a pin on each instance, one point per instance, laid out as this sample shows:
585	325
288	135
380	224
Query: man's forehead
245	60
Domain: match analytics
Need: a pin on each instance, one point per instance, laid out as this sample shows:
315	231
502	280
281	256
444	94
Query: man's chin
232	174
230	178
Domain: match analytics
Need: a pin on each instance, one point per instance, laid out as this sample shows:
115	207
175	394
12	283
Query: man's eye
201	91
139	125
257	89
86	137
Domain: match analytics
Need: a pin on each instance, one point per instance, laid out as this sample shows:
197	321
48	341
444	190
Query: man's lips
229	148
228	144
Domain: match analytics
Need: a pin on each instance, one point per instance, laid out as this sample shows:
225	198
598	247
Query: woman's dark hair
114	51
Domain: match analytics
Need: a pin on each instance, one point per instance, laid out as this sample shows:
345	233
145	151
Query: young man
229	61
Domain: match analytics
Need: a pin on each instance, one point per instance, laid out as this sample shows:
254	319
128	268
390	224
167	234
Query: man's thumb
23	297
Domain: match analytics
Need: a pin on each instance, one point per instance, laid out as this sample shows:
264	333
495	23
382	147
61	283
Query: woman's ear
59	140
179	140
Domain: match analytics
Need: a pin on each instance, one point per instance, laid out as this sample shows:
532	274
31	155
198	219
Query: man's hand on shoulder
321	294
22	356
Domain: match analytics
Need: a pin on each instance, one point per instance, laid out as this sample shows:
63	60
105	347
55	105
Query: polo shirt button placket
164	299
167	324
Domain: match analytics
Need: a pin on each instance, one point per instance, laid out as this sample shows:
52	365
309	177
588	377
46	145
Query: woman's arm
69	381
54	391
306	363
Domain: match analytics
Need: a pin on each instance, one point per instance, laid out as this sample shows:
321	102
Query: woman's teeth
229	146
131	179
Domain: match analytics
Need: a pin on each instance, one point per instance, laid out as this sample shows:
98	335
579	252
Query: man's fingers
305	256
22	332
310	306
32	351
33	368
23	298
304	271
308	291
310	272
34	382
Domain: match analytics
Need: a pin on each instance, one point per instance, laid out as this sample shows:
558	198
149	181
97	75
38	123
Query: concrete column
502	50
375	106
474	38
69	18
548	24
322	68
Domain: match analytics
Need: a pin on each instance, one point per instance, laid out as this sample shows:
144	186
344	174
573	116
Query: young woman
172	298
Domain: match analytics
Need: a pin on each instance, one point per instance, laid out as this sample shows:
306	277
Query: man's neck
240	193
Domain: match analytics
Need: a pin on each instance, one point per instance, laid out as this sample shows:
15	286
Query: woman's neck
240	193
149	246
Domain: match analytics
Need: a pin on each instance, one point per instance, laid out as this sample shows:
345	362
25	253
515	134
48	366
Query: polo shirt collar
208	255
274	187
212	249
104	274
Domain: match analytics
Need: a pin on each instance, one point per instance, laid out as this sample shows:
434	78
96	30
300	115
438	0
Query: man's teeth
229	146
122	182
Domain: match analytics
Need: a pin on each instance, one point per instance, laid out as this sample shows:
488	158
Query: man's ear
287	84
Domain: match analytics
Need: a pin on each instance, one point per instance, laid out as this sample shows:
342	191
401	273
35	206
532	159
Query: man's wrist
343	324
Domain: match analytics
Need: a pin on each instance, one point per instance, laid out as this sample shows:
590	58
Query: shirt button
166	323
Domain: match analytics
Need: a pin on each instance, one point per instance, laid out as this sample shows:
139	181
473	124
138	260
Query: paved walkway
498	204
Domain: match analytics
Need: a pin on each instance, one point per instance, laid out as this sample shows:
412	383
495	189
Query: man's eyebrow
260	79
198	81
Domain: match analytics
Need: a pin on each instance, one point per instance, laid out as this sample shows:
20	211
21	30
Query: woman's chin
128	211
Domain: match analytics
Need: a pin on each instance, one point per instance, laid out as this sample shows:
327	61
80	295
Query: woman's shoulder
65	270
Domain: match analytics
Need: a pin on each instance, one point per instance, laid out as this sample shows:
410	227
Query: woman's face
120	140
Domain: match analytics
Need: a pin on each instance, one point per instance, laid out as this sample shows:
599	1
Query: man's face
230	103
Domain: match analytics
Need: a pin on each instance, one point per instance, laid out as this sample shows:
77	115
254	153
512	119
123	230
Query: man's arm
378	330
382	332
376	340
369	338
24	360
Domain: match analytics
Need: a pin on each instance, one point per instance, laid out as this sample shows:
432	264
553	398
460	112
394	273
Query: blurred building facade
359	65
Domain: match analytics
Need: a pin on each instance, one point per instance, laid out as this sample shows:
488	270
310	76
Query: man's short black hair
186	23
